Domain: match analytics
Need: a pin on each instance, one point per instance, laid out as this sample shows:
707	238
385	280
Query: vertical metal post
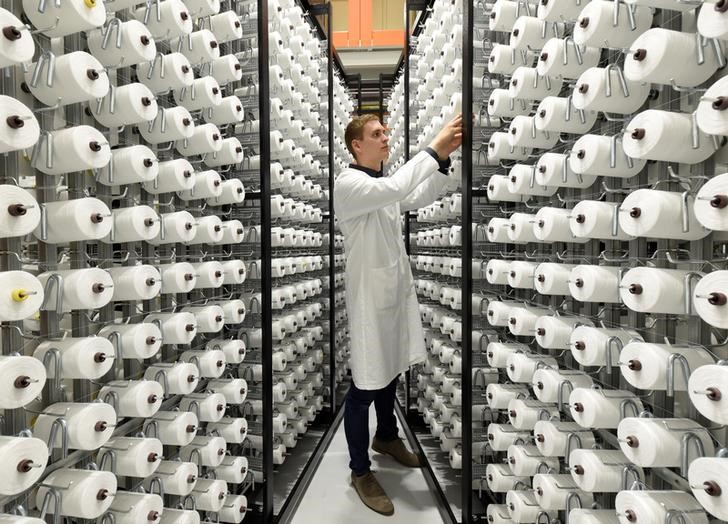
265	256
332	229
407	31
467	243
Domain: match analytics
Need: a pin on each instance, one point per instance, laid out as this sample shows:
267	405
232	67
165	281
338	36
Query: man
384	320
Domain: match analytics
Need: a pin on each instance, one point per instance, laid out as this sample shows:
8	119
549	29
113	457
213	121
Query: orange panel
393	38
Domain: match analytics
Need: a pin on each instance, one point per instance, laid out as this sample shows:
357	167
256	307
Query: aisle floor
331	499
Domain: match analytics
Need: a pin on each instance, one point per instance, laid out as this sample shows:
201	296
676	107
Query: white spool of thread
174	19
211	405
524	508
552	225
552	112
206	450
232	469
209	230
137	341
210	362
22	296
519	182
590	283
645	365
90	425
178	478
85	493
552	437
89	288
133	224
601	470
505	60
594	219
505	13
81	358
498	191
234	509
591	156
136	398
546	382
209	494
500	479
206	92
77	77
520	274
595	26
133	103
499	312
552	490
498	513
75	220
21	380
230	153
141	282
229	111
233	311
497	353
550	172
496	270
556	51
654	290
179	277
523	414
520	228
502	105
233	430
232	232
18	46
234	390
522	320
202	8
655	54
179	516
520	134
135	457
589	344
706	387
175	428
591	91
21	129
520	367
129	165
524	460
177	73
177	328
665	136
199	46
205	139
210	319
707	476
711	200
499	148
208	184
178	125
63	20
24	460
209	274
137	44
129	507
500	436
23	211
74	149
234	272
226	26
552	279
657	442
712	22
653	506
597	408
528	84
179	227
529	32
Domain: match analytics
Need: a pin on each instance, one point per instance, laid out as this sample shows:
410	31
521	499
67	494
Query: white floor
330	498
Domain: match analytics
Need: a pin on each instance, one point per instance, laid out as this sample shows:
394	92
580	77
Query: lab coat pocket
386	282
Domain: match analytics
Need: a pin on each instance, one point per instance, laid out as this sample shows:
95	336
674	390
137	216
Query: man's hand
449	138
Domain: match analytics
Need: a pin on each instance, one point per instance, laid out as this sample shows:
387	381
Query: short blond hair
355	130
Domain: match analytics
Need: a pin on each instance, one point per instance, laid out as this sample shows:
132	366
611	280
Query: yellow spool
19	295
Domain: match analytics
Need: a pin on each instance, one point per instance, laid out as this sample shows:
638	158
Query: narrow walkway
330	498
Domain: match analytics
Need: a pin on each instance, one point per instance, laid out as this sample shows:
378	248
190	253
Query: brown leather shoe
371	493
397	450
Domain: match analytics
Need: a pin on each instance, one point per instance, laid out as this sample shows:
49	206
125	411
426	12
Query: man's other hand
449	138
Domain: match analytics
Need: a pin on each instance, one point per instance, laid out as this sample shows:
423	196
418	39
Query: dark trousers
356	422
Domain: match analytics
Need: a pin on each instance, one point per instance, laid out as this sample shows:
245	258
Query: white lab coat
384	320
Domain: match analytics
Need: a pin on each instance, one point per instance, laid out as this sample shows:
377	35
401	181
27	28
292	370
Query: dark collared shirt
444	165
